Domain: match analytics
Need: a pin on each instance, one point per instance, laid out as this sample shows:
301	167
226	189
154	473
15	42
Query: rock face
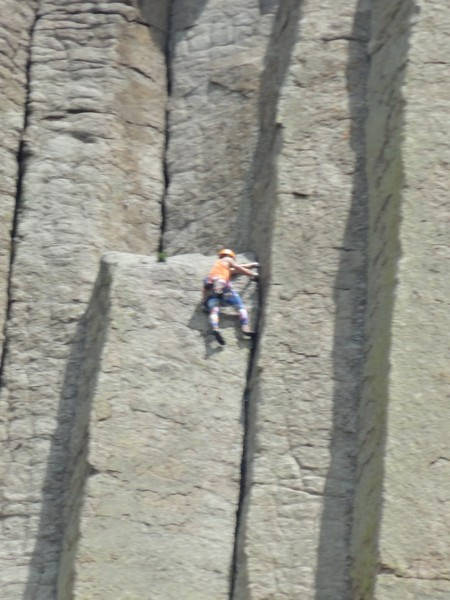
160	479
14	44
96	110
298	513
139	459
403	459
217	58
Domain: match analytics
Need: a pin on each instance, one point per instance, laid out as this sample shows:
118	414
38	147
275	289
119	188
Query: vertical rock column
402	536
217	52
158	439
92	180
294	532
14	54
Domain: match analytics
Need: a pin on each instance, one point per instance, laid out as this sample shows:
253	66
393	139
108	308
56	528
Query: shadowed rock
158	438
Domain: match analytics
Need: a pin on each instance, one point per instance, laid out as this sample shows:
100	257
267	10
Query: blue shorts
228	298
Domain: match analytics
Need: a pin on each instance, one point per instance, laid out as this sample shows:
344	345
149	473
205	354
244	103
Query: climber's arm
236	268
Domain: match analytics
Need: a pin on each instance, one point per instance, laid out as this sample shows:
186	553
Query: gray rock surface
217	56
92	181
404	459
14	56
160	478
295	530
313	134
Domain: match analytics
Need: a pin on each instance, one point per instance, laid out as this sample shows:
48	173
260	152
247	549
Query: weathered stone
92	181
14	55
160	481
265	148
392	587
216	64
294	534
404	455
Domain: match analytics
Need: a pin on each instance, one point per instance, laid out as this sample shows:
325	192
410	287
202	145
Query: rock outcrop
158	437
216	60
14	85
94	113
403	468
295	533
139	459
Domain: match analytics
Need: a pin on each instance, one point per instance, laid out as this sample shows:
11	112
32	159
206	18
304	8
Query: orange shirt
221	270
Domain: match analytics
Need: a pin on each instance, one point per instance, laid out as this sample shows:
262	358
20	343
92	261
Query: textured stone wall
91	180
216	60
312	134
14	62
295	531
402	514
160	479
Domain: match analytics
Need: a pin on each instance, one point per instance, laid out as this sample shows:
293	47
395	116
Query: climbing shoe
219	337
249	334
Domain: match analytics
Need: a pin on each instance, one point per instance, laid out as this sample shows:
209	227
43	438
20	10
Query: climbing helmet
226	252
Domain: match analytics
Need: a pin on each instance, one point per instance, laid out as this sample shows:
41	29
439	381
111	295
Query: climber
218	291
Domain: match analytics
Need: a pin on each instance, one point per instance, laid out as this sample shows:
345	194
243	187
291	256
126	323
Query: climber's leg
233	299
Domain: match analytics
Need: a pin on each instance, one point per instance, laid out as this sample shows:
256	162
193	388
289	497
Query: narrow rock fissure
21	160
168	55
264	176
246	424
